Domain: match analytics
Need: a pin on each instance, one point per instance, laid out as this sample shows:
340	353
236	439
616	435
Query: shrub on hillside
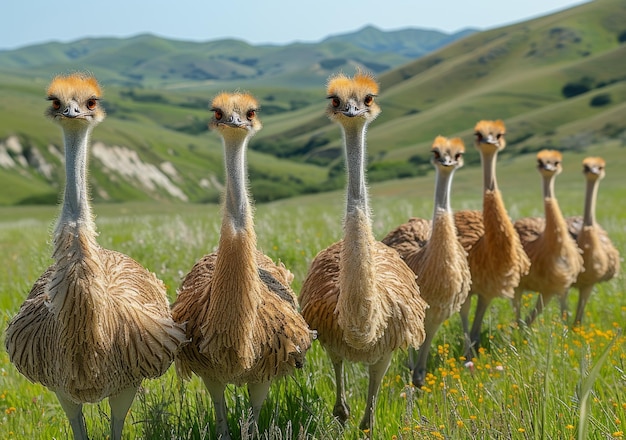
600	100
572	89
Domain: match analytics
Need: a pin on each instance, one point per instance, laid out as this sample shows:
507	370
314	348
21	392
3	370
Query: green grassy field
527	384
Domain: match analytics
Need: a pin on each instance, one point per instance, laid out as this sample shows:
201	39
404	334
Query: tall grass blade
584	389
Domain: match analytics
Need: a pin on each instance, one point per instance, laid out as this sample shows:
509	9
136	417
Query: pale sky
27	22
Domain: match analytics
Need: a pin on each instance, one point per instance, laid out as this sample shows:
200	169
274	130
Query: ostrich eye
436	154
368	100
92	103
218	114
478	135
56	104
457	156
251	114
539	162
556	164
335	101
499	135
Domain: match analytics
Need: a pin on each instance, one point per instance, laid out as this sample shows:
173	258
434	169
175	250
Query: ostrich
358	294
601	260
555	258
96	323
241	314
495	256
435	255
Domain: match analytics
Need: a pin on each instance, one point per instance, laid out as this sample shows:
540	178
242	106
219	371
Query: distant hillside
412	43
154	142
557	81
151	61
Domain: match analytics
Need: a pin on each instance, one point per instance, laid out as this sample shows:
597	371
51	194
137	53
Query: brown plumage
495	256
96	323
601	260
359	295
241	313
436	257
555	258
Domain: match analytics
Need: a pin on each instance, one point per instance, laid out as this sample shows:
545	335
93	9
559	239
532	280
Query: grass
551	381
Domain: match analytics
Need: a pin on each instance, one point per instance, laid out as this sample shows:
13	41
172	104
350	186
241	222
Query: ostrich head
593	168
447	153
235	115
549	162
352	99
74	101
490	135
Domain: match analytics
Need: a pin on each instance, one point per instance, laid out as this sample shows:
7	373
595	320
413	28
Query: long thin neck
235	290
488	160
357	196
75	248
358	236
555	223
548	187
236	202
76	211
442	191
591	195
358	309
237	239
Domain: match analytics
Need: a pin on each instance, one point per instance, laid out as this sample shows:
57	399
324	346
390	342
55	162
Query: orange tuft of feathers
362	82
491	126
593	162
458	144
442	142
67	85
550	155
230	102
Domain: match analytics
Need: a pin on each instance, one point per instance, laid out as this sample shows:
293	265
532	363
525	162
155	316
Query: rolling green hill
150	61
154	143
558	81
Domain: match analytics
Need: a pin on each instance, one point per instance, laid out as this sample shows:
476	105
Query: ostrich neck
442	213
76	212
591	194
357	196
442	191
555	223
358	236
488	160
236	204
236	277
548	187
358	305
76	286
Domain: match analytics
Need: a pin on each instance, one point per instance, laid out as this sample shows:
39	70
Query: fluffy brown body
244	324
601	260
359	295
496	258
240	311
555	258
96	323
435	254
382	314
